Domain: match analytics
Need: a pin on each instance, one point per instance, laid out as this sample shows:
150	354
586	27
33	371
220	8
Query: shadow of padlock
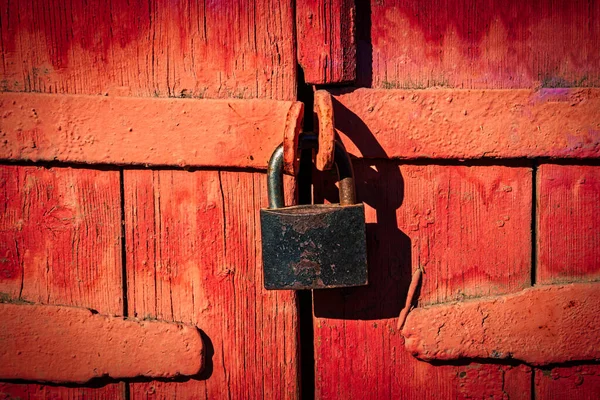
315	246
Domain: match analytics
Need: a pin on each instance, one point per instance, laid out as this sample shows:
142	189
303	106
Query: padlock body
315	246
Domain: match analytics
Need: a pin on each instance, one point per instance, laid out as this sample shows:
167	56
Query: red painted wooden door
474	135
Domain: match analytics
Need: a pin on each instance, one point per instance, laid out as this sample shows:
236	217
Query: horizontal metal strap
69	344
469	124
540	326
142	131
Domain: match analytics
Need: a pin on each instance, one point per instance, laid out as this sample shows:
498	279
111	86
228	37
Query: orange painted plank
467	124
326	42
542	325
69	344
568	233
469	228
176	48
568	223
494	44
60	242
121	130
193	255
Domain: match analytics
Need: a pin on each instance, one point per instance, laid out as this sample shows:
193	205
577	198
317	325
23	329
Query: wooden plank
468	124
79	345
568	234
580	382
499	44
542	325
568	224
121	130
193	255
469	229
326	43
179	48
60	242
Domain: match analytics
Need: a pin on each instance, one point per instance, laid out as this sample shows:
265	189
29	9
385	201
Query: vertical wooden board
149	48
581	382
469	229
494	44
568	233
60	243
326	45
193	255
568	230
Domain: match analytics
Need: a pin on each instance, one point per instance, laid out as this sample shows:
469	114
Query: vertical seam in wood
534	227
126	388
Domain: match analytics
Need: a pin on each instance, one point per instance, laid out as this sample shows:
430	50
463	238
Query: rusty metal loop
309	141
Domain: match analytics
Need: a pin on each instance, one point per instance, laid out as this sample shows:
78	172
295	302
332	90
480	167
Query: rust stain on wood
468	124
107	130
68	344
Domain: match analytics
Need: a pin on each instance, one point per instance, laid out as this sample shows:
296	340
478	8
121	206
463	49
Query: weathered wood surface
74	345
469	229
542	325
568	233
143	131
494	44
468	124
326	40
568	223
193	255
60	243
217	49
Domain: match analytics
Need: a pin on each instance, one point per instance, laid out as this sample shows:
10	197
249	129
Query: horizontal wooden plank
540	326
568	223
469	124
137	131
69	344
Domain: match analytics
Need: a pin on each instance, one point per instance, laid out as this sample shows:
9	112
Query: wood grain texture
469	228
162	48
568	233
193	255
492	44
142	131
60	242
468	124
326	43
568	224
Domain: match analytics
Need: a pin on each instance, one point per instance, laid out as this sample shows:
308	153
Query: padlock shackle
342	163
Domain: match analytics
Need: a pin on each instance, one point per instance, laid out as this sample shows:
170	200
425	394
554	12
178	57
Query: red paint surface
60	240
462	124
108	130
568	232
493	44
540	326
68	344
326	43
164	48
193	255
471	235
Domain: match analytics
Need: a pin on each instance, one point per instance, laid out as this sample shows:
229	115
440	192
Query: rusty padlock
315	246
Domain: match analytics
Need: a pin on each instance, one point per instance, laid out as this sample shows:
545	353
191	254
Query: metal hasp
314	246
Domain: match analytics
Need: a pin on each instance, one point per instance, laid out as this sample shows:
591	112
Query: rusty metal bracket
326	130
